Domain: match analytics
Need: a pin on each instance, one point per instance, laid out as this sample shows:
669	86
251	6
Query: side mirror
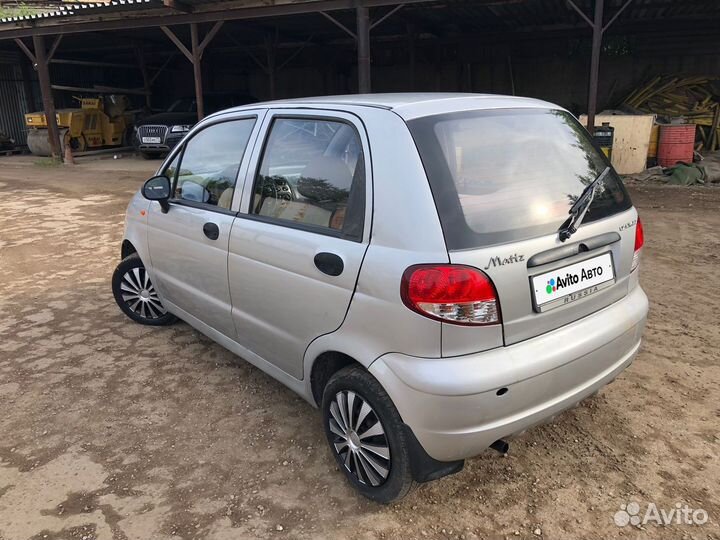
158	189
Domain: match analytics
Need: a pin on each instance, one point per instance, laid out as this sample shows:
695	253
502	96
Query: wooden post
510	72
595	65
47	97
412	55
363	49
145	77
197	55
270	51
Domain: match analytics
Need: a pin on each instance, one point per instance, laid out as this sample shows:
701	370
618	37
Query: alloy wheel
359	438
140	295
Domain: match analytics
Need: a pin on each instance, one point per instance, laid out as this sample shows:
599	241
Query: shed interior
537	48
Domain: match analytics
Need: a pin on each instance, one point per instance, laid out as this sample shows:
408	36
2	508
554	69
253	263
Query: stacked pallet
696	99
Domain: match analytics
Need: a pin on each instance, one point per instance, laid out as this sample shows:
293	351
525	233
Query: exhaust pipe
500	446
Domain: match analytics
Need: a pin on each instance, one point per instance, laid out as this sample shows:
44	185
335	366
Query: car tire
135	294
353	405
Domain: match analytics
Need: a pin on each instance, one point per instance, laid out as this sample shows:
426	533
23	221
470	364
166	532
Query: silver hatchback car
435	272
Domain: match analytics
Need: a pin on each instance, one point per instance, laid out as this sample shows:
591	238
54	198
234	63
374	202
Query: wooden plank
179	44
713	130
54	47
25	49
631	141
98	89
210	35
177	5
162	68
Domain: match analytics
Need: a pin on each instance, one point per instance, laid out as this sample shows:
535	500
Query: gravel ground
111	430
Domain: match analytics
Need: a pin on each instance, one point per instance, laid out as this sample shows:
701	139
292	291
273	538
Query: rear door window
511	174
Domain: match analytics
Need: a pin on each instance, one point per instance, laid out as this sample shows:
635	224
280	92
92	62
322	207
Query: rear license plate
573	282
151	140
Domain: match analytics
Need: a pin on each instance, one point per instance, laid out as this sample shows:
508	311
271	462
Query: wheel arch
127	249
326	364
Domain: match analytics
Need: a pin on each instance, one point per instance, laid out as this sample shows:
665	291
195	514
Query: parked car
435	272
157	134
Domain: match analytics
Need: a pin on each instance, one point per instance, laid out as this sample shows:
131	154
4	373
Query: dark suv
157	134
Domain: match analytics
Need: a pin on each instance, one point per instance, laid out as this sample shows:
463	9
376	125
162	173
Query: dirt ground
111	430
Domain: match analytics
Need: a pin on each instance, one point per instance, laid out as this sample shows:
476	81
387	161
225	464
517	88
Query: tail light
451	293
639	241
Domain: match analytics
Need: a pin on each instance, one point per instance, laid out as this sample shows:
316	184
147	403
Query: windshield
511	174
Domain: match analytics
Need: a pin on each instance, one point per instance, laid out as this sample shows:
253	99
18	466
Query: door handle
211	230
329	263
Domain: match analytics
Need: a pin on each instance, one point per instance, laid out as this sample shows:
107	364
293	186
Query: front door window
210	162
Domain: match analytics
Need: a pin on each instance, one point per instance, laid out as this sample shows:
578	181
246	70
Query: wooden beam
338	24
510	73
580	12
179	44
296	52
27	87
210	35
388	14
47	97
617	14
25	49
362	15
99	89
595	65
124	22
247	51
412	54
197	72
54	47
140	55
162	68
178	5
270	55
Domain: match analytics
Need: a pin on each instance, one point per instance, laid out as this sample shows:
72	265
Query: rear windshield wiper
580	207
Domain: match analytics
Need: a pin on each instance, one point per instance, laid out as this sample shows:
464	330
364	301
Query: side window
171	168
210	162
313	173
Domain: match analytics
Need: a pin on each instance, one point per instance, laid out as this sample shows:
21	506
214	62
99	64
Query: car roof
409	105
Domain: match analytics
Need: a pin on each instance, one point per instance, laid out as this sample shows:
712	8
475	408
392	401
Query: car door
303	228
188	244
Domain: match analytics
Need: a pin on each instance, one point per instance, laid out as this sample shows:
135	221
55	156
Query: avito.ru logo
630	514
551	286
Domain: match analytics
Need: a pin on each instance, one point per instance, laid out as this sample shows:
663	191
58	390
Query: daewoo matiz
435	272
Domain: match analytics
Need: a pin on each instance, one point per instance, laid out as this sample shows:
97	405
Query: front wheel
135	293
366	435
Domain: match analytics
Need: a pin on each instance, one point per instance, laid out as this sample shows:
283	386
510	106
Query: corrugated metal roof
81	8
488	15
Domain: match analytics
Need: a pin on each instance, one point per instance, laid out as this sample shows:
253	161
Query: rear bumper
452	406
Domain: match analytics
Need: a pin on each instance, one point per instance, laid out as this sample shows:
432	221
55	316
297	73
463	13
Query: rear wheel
366	435
136	295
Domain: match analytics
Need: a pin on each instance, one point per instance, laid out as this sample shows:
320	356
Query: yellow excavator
99	122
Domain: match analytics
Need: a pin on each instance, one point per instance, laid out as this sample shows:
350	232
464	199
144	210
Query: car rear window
511	174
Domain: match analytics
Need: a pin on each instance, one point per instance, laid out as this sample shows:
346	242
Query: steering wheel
275	187
283	189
